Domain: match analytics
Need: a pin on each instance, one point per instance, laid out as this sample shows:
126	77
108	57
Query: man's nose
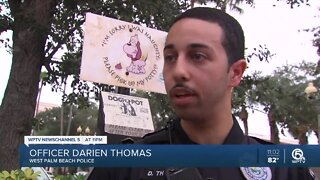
181	69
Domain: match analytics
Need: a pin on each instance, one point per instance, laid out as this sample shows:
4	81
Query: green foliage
316	34
223	4
27	174
243	91
292	3
283	94
5	17
316	40
70	177
234	5
84	117
296	3
5	23
262	53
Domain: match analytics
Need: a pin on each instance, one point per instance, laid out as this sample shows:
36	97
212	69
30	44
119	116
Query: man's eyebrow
168	46
193	45
197	45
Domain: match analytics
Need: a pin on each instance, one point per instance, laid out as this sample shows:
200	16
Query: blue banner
170	155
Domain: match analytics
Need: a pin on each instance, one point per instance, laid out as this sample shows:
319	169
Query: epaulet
260	141
127	140
157	137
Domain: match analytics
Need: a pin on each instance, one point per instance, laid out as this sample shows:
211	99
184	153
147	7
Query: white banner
127	115
122	54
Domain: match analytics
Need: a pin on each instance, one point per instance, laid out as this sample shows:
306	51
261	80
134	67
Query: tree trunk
38	100
224	5
244	117
317	135
32	21
42	77
192	3
69	120
274	132
246	128
303	139
62	108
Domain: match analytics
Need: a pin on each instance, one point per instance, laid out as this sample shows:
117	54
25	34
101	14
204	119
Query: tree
40	29
84	117
241	96
242	93
281	95
234	4
224	4
43	75
30	28
299	115
264	93
243	115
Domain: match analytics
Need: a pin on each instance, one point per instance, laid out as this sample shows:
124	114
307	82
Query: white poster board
126	115
122	54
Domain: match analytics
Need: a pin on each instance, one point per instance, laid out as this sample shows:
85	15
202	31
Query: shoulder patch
256	173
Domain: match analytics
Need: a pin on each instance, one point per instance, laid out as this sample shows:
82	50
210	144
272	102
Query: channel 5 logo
297	155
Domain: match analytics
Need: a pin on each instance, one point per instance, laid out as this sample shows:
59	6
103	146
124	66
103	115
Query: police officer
203	62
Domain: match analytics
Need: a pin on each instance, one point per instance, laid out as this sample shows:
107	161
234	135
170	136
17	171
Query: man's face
196	73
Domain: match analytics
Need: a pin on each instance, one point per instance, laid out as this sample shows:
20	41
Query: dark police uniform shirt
174	134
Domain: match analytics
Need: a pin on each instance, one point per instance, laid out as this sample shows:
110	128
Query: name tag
153	174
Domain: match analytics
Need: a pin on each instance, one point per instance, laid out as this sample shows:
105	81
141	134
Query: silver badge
256	173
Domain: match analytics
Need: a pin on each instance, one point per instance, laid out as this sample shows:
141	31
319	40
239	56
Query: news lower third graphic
93	151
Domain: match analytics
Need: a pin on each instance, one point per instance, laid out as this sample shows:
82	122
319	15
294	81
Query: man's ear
236	72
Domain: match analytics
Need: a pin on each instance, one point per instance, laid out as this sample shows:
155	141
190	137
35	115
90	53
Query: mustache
181	86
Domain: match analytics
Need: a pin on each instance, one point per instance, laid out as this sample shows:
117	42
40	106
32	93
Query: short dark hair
233	40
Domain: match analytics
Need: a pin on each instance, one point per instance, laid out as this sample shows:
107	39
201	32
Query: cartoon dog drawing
133	51
127	108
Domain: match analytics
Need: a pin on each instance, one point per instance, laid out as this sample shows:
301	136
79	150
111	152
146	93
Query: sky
280	28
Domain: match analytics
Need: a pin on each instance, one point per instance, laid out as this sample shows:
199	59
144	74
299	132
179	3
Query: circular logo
256	173
297	154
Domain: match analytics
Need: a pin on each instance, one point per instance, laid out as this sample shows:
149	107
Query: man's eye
198	57
169	58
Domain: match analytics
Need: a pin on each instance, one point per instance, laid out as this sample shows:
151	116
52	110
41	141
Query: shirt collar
235	135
